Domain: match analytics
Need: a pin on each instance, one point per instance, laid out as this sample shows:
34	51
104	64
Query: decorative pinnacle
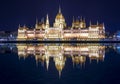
81	19
19	26
47	15
90	23
36	20
73	19
97	22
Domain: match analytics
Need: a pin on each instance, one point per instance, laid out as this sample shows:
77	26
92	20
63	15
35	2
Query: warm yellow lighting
60	31
60	53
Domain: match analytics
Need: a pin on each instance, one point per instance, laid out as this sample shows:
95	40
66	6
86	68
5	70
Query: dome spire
60	73
59	9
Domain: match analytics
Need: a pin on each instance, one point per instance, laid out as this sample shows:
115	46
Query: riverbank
59	41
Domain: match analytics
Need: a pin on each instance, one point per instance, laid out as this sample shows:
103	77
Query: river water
60	63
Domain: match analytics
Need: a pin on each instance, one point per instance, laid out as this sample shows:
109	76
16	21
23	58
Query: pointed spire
73	61
36	20
90	60
103	26
103	58
36	25
97	23
47	16
59	73
47	65
59	9
84	19
19	26
47	62
73	19
81	19
90	23
47	21
97	60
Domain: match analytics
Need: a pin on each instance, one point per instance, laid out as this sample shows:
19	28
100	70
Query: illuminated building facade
60	31
79	53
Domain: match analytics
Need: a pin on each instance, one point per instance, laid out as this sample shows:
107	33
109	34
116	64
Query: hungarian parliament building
60	31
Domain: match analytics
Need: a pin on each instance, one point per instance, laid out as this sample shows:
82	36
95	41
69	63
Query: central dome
59	16
59	20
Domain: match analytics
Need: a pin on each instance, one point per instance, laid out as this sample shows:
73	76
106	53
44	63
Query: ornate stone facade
60	31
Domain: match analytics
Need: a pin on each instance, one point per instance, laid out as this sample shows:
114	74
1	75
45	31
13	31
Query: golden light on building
60	53
79	60
60	31
60	63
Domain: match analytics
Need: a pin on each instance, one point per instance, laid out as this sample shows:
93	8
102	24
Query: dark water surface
59	63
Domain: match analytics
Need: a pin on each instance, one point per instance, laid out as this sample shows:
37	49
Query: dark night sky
14	12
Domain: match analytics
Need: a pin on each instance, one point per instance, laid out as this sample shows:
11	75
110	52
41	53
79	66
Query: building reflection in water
60	52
